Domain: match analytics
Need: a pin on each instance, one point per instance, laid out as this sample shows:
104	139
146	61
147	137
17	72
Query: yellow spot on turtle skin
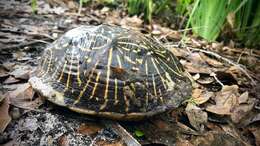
116	92
157	70
62	72
95	86
107	78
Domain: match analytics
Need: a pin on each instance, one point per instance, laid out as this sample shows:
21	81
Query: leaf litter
228	95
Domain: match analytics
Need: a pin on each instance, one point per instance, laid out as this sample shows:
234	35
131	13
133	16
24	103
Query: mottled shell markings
107	78
112	72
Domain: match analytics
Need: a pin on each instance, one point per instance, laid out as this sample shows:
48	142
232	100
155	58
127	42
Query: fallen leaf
183	142
132	22
196	116
226	100
241	111
22	97
256	133
5	118
8	65
211	61
89	128
21	72
195	68
11	80
243	98
107	143
200	96
217	138
3	73
63	141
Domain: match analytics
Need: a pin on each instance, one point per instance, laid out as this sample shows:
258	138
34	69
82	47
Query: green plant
136	7
247	22
34	5
209	17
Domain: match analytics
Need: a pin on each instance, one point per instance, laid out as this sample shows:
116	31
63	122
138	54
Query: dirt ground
224	108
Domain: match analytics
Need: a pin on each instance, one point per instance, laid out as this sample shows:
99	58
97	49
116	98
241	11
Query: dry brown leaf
241	111
243	98
183	142
3	73
195	68
133	21
107	143
23	97
211	61
226	100
21	72
8	65
216	138
196	116
256	133
63	141
5	118
11	80
89	128
200	96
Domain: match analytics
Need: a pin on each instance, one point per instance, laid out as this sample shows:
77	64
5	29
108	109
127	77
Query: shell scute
112	72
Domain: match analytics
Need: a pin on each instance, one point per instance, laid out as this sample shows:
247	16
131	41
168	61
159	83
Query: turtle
111	72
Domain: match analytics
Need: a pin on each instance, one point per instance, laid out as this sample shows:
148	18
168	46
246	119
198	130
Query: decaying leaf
230	102
225	100
241	111
5	118
243	98
11	80
63	141
3	73
196	116
21	72
131	22
217	138
23	97
211	61
200	96
89	128
256	133
106	143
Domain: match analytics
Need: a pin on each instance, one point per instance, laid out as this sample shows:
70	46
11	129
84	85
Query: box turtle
111	72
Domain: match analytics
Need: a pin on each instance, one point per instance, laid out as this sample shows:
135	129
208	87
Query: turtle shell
112	72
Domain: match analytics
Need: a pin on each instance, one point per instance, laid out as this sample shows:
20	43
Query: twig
239	66
121	131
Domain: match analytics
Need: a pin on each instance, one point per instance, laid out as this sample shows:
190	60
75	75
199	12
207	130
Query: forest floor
224	108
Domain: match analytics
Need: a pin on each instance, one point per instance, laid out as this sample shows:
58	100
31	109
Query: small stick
121	131
239	66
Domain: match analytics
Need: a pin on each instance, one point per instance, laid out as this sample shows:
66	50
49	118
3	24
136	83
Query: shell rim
47	91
